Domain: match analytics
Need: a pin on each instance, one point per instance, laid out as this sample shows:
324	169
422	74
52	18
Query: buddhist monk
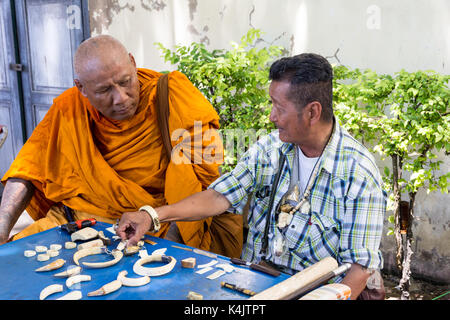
99	153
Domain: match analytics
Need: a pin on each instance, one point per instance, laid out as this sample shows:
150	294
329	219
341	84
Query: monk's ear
132	59
80	87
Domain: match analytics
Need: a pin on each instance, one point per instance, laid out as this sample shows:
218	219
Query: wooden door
10	113
37	41
49	32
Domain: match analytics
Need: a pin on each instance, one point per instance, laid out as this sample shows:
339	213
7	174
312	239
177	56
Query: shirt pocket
319	238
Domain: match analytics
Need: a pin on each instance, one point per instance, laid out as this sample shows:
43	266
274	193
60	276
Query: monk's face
111	85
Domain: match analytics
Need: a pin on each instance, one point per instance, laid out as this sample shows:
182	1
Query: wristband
154	216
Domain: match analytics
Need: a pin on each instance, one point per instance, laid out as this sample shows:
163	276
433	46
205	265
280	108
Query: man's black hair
311	79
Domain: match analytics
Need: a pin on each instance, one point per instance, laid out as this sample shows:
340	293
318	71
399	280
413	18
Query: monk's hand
133	225
3	237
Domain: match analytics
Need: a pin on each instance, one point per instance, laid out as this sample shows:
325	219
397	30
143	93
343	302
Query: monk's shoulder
68	100
147	74
188	101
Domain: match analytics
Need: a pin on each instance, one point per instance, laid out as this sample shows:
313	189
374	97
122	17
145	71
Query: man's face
112	88
292	124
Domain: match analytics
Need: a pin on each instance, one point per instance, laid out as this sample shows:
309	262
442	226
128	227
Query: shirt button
292	226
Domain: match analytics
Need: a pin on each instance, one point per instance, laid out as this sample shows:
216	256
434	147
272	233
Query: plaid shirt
347	203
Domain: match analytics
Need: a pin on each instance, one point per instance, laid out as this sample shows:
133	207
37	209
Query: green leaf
391	219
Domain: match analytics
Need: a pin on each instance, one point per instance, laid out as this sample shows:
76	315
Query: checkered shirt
347	203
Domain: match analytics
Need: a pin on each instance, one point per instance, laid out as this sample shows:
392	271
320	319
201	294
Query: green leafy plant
235	81
403	117
406	118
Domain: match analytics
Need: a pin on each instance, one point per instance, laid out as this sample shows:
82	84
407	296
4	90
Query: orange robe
103	167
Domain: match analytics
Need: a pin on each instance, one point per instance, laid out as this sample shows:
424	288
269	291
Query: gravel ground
419	289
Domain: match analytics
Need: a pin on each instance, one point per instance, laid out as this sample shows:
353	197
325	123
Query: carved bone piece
86	252
115	253
51	289
71	271
43	257
157	271
132	282
89	244
77	279
106	241
84	234
188	263
52	266
73	295
70	245
29	253
107	288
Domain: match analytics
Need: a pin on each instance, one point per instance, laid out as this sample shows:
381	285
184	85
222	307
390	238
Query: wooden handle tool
255	266
238	289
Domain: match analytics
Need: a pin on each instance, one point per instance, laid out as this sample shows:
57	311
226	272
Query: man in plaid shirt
328	200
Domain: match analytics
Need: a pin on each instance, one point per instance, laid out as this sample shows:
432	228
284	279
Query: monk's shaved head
106	74
98	52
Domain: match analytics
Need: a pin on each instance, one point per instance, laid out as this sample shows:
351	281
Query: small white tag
209	264
204	270
216	274
228	268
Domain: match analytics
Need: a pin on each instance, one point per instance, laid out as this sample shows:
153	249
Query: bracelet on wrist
154	216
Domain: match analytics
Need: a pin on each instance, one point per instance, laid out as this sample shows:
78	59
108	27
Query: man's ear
80	87
314	110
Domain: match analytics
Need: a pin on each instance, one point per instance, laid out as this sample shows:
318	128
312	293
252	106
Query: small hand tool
238	289
205	253
257	267
182	248
71	227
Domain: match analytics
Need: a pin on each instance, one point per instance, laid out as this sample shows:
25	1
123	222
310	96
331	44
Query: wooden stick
289	288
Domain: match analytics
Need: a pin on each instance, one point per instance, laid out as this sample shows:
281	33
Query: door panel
3	55
47	31
10	114
41	36
51	66
39	112
7	150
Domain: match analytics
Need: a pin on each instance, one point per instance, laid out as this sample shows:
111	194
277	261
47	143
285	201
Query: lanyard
265	240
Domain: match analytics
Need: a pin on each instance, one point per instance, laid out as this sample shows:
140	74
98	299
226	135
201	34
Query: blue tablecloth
19	281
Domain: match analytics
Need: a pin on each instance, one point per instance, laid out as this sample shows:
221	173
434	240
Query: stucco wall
382	35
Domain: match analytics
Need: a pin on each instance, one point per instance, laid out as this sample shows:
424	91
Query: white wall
383	35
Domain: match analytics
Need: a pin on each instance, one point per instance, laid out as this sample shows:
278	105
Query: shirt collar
330	153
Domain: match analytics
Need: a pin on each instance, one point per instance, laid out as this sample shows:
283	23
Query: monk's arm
16	197
208	203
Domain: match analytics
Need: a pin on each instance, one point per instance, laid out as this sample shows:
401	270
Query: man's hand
356	279
133	225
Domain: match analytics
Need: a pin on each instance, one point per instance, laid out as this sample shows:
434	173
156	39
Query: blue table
19	281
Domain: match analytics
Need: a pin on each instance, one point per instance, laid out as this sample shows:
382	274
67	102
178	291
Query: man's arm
208	203
356	279
16	197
